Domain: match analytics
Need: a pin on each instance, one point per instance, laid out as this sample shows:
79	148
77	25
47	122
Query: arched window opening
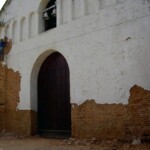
49	15
32	31
14	32
23	29
7	31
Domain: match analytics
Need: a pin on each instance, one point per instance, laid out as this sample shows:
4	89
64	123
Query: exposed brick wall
2	98
114	121
139	112
12	120
12	89
2	86
101	121
19	122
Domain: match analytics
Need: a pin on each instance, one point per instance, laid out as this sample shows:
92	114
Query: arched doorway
54	109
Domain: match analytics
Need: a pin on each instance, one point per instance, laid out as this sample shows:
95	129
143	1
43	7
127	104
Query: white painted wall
107	50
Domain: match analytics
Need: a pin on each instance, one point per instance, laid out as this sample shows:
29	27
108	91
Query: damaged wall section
114	121
101	121
11	119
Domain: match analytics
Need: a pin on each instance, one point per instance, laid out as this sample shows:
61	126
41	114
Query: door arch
54	109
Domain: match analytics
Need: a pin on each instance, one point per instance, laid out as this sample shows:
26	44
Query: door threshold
55	134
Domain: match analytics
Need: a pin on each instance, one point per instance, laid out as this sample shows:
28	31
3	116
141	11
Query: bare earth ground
12	142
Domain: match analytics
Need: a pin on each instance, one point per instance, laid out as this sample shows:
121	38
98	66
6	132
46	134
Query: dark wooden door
54	110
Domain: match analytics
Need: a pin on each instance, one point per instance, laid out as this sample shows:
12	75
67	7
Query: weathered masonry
114	121
76	68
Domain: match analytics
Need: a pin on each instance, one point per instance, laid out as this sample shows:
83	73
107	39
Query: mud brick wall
2	97
139	113
114	121
11	119
19	122
89	120
99	121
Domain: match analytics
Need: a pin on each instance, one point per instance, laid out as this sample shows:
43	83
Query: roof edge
5	4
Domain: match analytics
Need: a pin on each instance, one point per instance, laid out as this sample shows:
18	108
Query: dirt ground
12	142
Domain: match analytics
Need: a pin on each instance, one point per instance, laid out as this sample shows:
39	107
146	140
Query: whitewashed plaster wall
108	51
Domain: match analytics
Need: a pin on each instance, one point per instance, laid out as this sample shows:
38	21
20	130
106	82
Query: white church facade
71	52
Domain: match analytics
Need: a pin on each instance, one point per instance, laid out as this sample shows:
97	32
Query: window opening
49	15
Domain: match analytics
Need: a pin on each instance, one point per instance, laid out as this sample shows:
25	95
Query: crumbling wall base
114	121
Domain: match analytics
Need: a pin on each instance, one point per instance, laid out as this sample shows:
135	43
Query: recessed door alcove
54	109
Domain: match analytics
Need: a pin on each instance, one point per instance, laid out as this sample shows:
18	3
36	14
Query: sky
2	3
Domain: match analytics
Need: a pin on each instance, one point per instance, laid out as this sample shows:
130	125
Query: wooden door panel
54	112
